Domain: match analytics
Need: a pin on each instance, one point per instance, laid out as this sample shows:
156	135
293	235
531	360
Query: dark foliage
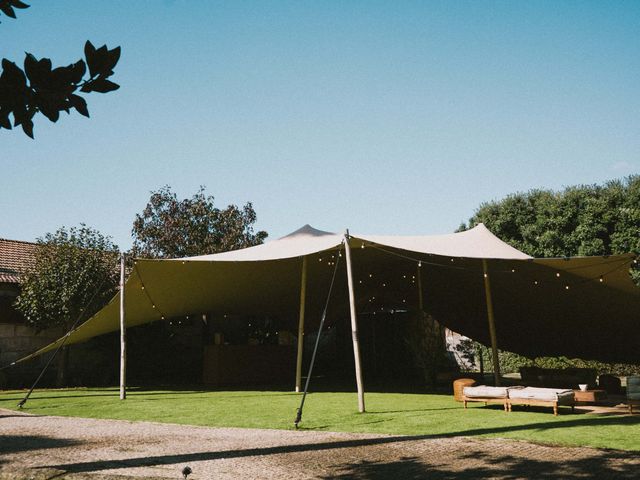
74	275
7	7
580	220
40	88
170	228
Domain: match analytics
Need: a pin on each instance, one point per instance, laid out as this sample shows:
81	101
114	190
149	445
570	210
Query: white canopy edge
477	242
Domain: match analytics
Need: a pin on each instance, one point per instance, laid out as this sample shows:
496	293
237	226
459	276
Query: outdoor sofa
633	391
509	396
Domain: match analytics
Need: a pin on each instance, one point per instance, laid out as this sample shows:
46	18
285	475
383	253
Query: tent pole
123	335
354	324
420	298
303	293
492	323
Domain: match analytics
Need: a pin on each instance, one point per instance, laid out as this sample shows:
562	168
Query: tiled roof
15	255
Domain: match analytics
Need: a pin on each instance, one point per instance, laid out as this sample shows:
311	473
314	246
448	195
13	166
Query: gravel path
43	447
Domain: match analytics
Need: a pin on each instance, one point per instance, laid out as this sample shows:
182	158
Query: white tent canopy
586	307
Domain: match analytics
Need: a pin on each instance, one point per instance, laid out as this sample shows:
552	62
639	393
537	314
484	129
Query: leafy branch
39	88
7	6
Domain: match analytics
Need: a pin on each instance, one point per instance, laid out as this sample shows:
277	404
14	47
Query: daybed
486	394
546	397
508	396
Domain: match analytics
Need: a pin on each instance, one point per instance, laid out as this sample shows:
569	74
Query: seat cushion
542	394
484	391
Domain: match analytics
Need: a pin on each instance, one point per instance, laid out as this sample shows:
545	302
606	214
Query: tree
580	220
74	274
170	228
41	88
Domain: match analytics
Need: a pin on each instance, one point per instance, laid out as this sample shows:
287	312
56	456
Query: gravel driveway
43	447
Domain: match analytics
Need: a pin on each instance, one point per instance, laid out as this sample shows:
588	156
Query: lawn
390	413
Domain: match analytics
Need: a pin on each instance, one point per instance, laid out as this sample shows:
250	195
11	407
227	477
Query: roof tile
15	256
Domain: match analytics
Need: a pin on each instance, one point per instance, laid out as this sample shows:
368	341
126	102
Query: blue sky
384	117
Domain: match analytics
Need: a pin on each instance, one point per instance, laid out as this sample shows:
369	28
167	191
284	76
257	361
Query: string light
370	275
419	264
486	275
566	287
557	274
601	279
535	282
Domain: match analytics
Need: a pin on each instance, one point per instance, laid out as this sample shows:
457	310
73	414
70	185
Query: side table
590	396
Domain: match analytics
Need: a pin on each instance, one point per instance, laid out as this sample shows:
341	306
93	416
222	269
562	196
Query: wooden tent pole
492	323
354	324
303	294
123	334
420	298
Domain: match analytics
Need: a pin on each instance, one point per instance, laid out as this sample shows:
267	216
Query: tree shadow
516	464
22	443
479	465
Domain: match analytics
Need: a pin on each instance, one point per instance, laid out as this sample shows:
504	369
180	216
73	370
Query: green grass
391	413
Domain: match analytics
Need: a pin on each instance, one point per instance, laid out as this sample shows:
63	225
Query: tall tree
169	228
73	275
579	220
39	88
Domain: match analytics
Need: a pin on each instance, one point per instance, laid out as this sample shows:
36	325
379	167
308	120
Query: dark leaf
7	9
96	59
111	60
90	54
61	78
79	104
30	66
18	4
100	85
38	71
13	75
49	111
78	70
27	127
4	121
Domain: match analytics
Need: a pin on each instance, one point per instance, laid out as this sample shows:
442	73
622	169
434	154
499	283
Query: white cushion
484	391
543	394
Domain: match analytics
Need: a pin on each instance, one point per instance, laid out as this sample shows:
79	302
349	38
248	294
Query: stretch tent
585	307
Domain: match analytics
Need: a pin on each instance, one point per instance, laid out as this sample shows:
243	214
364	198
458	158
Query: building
16	338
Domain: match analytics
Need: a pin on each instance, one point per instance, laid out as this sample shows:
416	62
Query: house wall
18	340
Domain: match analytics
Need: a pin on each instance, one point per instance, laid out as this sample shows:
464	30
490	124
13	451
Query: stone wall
17	341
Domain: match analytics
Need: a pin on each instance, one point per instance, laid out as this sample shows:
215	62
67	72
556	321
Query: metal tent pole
354	324
492	323
123	334
303	293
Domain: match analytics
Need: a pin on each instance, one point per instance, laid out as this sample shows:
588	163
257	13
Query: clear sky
384	117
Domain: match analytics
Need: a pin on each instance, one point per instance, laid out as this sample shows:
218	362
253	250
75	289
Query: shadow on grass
368	470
